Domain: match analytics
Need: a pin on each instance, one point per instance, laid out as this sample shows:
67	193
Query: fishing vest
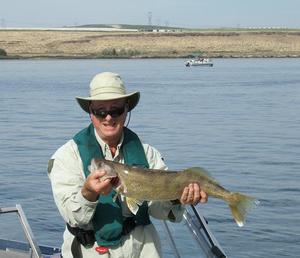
108	218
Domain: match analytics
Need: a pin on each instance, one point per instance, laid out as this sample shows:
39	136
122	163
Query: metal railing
194	221
200	231
34	248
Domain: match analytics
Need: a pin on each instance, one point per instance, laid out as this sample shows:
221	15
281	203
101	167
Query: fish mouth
115	181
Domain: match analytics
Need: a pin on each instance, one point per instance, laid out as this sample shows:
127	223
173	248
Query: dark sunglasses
114	112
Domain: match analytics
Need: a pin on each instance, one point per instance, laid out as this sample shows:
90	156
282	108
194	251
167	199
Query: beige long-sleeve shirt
67	178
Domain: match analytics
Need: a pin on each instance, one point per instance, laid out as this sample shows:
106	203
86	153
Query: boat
199	62
206	244
17	249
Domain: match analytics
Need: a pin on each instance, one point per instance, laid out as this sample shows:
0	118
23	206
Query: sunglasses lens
100	113
116	112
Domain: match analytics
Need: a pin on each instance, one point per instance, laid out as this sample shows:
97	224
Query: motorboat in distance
199	62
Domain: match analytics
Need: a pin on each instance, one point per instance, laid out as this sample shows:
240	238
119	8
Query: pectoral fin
133	205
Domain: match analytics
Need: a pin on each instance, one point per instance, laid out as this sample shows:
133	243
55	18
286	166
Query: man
95	223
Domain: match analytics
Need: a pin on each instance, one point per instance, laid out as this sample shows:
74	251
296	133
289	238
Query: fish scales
145	184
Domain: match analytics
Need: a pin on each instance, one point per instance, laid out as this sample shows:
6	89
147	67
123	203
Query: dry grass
148	44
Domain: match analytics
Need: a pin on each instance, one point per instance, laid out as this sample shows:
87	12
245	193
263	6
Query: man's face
108	118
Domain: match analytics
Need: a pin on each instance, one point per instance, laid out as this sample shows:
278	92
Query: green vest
108	219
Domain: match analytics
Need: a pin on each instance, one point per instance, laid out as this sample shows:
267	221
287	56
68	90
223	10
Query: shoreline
60	44
134	58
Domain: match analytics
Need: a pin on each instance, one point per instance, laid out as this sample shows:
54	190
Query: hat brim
133	99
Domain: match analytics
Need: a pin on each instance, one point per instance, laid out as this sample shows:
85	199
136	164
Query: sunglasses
114	112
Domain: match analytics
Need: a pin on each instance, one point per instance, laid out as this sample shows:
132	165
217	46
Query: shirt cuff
85	202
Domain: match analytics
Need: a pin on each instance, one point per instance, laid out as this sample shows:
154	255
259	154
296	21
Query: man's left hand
192	194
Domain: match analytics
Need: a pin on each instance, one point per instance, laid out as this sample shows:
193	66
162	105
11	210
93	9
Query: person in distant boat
95	223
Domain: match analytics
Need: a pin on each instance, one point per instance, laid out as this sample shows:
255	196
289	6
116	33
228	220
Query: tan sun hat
108	86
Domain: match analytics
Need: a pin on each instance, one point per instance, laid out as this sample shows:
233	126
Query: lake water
240	120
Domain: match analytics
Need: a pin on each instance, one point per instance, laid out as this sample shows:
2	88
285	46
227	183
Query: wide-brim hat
108	86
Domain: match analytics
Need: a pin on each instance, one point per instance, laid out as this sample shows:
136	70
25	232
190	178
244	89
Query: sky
176	13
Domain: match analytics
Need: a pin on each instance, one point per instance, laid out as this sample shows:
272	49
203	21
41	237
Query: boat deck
12	254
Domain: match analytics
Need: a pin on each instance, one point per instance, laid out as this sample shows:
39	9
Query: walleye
139	185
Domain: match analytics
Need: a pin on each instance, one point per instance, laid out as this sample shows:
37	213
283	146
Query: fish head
102	164
112	170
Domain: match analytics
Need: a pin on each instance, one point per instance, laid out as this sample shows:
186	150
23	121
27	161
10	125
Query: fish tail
239	205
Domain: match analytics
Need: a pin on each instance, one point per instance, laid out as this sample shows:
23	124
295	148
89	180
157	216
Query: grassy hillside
144	44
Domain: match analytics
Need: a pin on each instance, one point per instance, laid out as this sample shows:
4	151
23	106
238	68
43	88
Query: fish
140	184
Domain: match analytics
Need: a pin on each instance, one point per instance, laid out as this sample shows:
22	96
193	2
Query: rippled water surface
239	119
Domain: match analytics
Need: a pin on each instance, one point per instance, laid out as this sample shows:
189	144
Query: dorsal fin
202	172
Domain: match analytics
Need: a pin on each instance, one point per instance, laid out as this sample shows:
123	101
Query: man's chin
112	134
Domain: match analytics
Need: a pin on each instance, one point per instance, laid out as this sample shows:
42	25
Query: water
240	120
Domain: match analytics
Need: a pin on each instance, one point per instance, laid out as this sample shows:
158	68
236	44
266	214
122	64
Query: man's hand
96	184
192	194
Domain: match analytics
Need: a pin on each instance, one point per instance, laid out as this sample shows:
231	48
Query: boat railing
200	231
192	219
34	250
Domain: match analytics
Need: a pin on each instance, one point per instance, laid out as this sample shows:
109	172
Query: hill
91	42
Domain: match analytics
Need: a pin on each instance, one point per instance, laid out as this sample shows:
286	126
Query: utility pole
150	18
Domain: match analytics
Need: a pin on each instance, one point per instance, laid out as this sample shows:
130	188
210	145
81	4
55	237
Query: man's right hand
94	186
